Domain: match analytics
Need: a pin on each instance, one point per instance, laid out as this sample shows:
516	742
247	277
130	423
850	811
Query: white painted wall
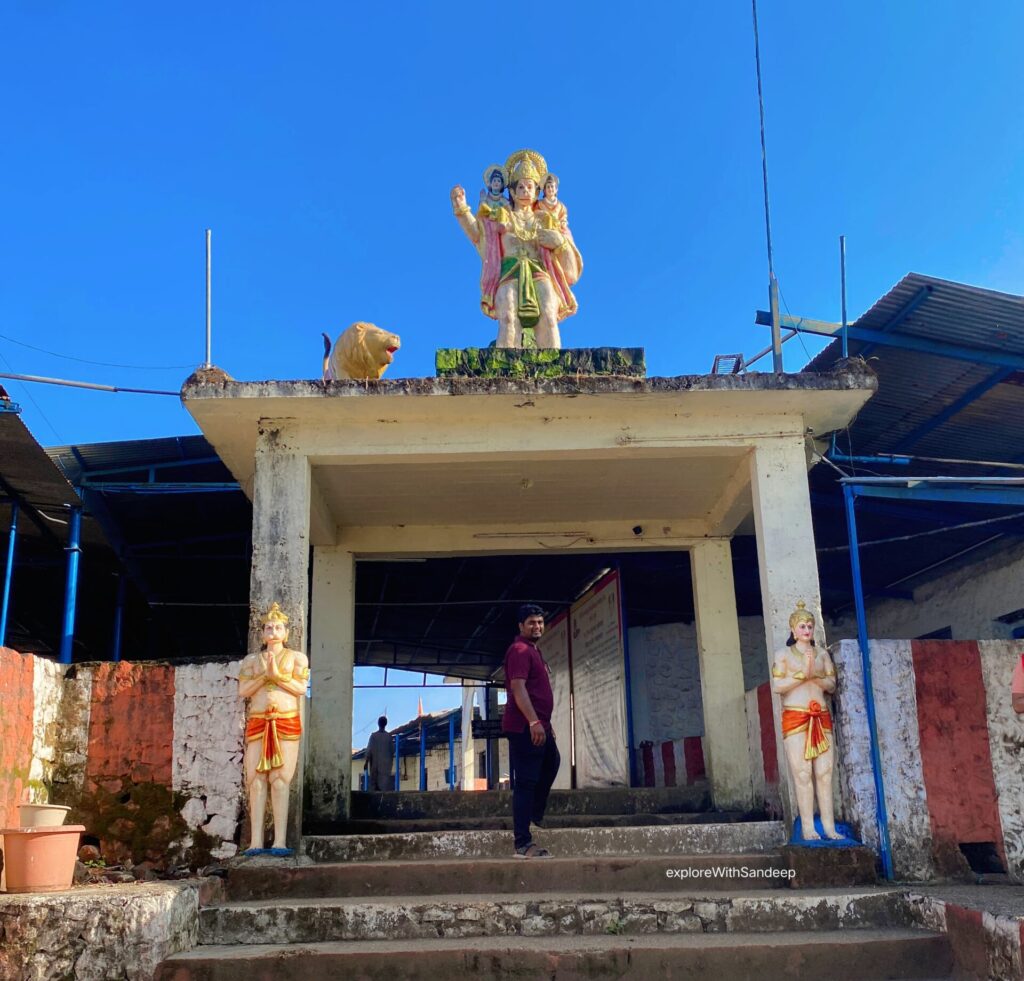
665	677
209	726
969	600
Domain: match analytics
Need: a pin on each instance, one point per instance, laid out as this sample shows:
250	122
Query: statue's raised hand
458	197
549	238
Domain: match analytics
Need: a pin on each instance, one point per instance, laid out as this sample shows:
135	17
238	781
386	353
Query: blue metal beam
900	315
110	471
8	573
398	761
903	511
908	342
451	751
951	410
1002	495
423	756
71	584
114	487
881	812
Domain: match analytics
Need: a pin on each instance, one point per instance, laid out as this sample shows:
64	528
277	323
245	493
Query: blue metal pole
71	586
398	762
881	813
451	751
115	652
8	573
423	757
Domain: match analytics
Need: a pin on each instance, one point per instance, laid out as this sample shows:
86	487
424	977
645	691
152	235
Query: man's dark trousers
534	769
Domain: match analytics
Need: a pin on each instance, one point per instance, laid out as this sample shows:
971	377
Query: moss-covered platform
510	362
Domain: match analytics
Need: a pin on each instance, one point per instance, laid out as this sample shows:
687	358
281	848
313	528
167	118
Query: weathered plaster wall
762	747
147	755
968	600
47	695
209	726
949	745
899	741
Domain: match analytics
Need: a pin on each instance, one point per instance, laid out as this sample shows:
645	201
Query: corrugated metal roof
916	388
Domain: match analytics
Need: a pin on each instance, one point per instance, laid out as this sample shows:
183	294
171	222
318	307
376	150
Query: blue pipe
8	573
74	551
423	757
451	751
891	458
115	652
398	762
881	813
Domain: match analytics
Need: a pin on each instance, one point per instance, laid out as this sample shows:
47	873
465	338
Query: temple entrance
621	643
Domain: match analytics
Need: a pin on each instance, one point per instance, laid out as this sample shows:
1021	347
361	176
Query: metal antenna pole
773	285
207	363
842	279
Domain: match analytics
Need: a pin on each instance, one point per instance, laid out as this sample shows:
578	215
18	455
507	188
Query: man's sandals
532	851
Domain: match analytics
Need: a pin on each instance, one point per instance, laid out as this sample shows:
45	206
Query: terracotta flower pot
40	859
42	815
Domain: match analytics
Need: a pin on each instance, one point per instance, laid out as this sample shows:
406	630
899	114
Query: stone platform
511	362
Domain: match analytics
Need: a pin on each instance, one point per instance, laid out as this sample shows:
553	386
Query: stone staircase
700	900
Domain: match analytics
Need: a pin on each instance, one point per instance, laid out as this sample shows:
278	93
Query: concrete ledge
207	385
99	932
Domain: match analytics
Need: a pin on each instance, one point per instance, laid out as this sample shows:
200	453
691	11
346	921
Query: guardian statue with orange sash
275	681
803	674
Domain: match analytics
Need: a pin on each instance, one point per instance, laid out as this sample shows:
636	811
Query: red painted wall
955	755
767	720
16	711
131	725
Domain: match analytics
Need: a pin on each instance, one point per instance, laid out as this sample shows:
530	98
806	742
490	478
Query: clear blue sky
319	142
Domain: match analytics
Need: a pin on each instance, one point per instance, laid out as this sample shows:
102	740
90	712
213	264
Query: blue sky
319	142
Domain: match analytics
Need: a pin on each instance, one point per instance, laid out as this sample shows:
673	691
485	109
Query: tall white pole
207	363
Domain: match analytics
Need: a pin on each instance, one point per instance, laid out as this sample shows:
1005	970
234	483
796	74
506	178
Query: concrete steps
683	839
498	803
839	955
685	900
378	826
608	873
319	920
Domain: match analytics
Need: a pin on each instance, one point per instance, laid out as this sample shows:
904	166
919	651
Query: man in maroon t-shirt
533	755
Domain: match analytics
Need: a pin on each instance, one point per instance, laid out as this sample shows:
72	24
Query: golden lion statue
362	351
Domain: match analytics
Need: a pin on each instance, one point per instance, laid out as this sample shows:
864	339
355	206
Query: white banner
599	686
554	645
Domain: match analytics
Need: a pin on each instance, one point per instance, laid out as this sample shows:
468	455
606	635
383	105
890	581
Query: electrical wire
102	364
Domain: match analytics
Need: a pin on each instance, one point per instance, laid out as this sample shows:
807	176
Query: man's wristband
536	722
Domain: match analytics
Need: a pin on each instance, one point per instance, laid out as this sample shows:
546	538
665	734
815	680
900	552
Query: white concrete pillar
467	766
786	558
329	752
721	676
280	556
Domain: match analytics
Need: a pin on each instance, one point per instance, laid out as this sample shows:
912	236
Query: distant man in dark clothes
532	752
380	752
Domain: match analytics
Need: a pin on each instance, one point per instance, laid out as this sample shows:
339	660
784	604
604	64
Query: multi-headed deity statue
530	261
803	675
274	680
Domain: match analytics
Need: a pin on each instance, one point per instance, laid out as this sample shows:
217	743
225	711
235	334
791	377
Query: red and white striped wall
951	749
675	763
